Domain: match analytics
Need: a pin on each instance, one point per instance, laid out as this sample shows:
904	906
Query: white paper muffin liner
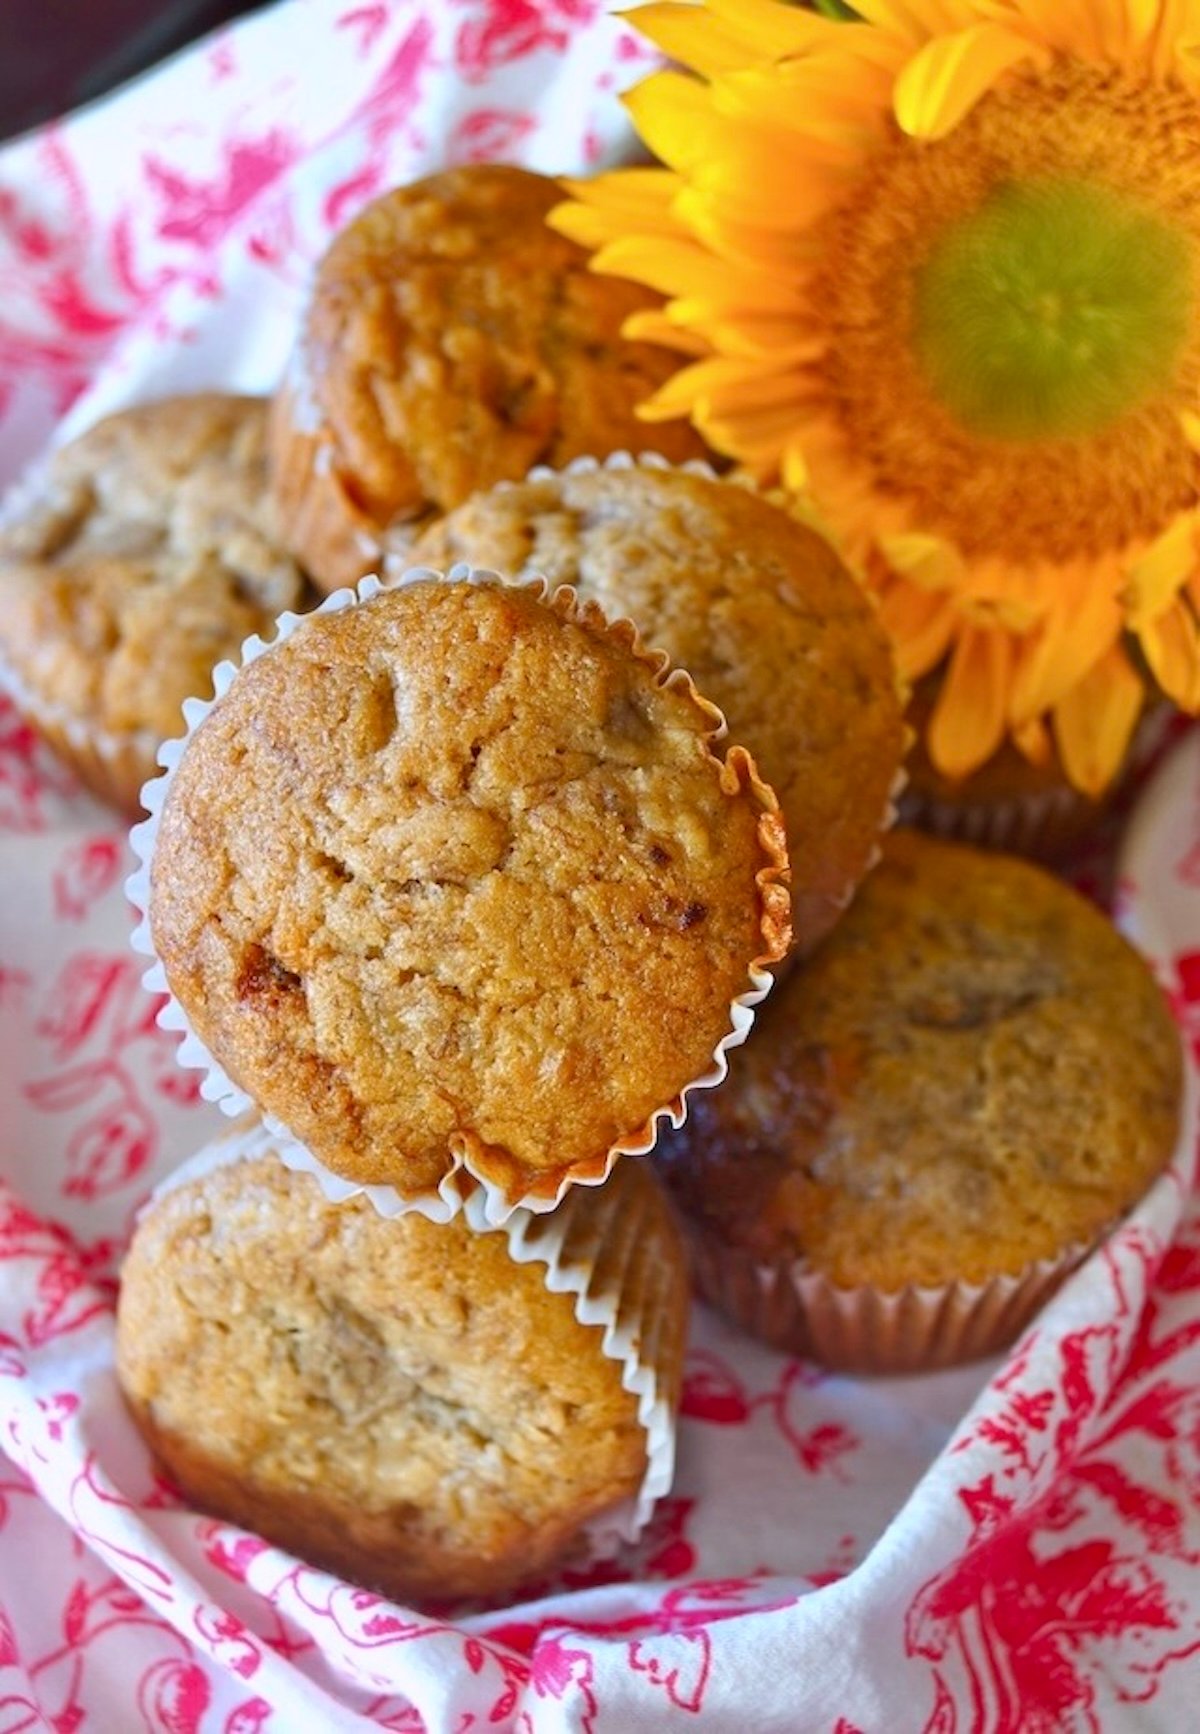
394	566
113	764
461	1179
633	1317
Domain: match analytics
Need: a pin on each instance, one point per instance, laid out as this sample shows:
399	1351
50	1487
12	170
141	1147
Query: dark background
56	54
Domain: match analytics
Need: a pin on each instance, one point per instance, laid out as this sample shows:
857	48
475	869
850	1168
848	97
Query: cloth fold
1006	1547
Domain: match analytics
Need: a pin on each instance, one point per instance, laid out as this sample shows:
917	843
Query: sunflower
935	270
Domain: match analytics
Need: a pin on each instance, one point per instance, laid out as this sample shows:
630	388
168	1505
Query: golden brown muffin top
454	872
761	613
393	1398
973	1072
147	554
452	339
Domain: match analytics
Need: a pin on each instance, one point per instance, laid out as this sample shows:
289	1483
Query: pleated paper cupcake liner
1040	823
503	1184
595	1248
866	1330
824	907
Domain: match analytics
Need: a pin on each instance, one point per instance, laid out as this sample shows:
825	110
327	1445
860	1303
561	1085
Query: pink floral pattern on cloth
1005	1549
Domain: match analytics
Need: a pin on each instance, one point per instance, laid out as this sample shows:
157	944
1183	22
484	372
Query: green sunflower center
1052	310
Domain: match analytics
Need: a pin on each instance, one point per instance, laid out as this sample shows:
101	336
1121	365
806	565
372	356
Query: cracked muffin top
453	874
398	1401
760	612
451	339
143	554
975	1071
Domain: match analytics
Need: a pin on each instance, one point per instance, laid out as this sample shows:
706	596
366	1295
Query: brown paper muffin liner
593	1250
864	1330
505	1184
1042	823
394	567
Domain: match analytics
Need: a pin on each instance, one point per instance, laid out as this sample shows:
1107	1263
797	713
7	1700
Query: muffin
761	613
415	1406
451	339
142	554
453	879
940	1113
1011	802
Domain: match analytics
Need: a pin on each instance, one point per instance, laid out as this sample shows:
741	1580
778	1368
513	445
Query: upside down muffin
402	1402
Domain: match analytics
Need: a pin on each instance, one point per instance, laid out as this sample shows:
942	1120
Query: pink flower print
563	1673
228	1640
172	1697
489	135
109	1151
248	1718
84	873
678	1662
201	213
511	29
713	1392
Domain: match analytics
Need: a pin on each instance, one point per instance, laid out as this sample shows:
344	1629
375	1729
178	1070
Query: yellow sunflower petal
1066	26
829	97
641	194
1094	722
1072	639
779	246
919	624
1178	26
1171	646
772	30
1162	570
757	338
1033	742
693	36
652	325
968	719
607	208
946	79
926	561
696	384
673	114
680	267
911	19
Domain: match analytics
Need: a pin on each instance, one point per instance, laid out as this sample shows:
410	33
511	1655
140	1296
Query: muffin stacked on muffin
450	340
142	553
452	881
756	607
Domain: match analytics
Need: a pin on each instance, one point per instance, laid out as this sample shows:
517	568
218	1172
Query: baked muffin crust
146	555
452	339
974	1072
453	873
396	1401
756	607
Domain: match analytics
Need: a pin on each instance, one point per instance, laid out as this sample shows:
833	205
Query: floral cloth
1005	1548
